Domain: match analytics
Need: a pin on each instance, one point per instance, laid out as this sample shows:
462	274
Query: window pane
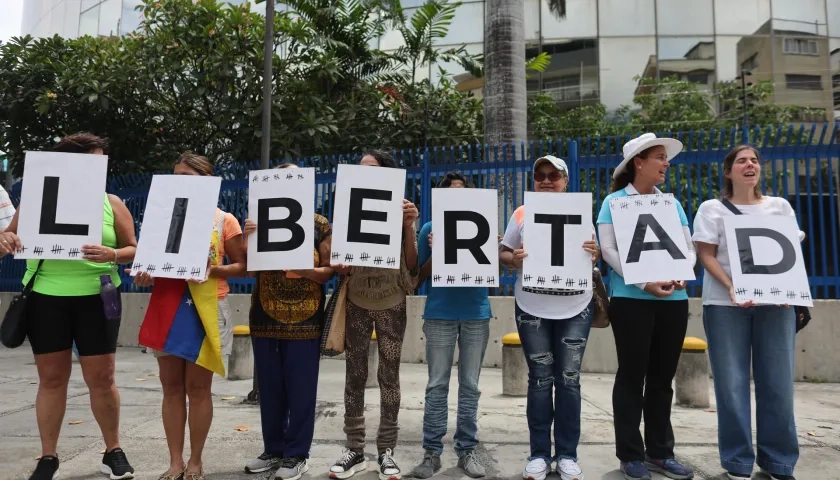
89	22
750	53
613	15
57	18
71	19
109	17
571	78
581	20
689	59
86	4
743	17
684	17
467	25
804	16
130	20
622	59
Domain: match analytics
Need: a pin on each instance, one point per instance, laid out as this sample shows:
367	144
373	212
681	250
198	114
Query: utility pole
268	64
745	98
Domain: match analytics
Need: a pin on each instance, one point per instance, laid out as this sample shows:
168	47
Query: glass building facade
602	46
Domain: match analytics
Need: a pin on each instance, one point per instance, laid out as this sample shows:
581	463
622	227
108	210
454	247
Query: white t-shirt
7	210
708	228
545	303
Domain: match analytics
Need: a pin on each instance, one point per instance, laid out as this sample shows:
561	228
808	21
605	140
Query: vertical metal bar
268	59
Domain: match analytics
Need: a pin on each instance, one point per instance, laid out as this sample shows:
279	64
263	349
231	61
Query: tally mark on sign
73	252
377	260
150	268
654	201
136	266
741	291
639	203
391	261
570	282
289	176
38	251
450	279
57	249
758	292
335	255
348	257
300	176
277	176
167	267
540	280
195	271
364	257
775	291
791	294
182	271
555	279
479	280
436	278
583	282
491	279
465	277
256	179
265	178
805	295
527	278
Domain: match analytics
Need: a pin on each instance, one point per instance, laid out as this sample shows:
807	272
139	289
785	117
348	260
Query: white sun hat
632	148
558	163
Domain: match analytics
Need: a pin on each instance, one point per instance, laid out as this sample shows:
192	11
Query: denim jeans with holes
554	351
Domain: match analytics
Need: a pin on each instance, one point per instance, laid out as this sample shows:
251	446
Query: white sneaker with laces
568	469
536	469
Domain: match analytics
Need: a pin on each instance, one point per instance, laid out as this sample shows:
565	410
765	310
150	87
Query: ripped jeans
554	351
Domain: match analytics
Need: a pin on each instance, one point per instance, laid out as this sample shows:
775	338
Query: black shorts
53	323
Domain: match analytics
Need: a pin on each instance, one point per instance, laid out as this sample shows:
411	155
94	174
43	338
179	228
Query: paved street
502	425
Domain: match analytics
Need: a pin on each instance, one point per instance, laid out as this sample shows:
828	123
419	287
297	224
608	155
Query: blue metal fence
800	164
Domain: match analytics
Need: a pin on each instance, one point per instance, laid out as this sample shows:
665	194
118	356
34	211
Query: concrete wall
817	355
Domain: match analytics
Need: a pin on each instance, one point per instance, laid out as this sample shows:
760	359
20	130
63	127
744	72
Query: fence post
426	190
574	173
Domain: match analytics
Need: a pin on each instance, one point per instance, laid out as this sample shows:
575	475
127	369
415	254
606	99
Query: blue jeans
769	334
441	337
554	351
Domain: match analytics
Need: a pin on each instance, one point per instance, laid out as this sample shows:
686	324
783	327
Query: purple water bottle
110	298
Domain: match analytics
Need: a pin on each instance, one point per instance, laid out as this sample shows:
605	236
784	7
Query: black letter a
638	244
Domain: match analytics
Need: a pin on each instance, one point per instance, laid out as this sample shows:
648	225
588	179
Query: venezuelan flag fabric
183	320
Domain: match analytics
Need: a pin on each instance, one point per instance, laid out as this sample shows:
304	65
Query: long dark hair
383	158
453	176
197	162
728	162
629	174
82	142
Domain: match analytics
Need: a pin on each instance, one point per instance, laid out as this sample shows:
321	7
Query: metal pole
268	59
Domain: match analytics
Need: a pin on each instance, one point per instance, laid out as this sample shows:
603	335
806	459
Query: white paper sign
367	220
177	226
556	225
651	243
62	204
766	260
281	202
465	244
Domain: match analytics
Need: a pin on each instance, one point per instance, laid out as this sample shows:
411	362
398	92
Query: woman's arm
124	228
707	253
609	250
410	248
9	241
323	273
424	251
235	250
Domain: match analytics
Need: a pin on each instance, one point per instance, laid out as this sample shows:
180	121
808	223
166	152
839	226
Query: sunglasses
552	176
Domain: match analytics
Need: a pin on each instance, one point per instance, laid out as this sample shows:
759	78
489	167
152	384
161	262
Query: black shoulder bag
803	314
13	328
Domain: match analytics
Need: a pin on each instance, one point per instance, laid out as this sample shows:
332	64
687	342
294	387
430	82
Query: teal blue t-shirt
617	286
451	303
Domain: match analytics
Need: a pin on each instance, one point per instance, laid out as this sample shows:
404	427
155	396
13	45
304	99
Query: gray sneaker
428	467
263	463
471	466
291	468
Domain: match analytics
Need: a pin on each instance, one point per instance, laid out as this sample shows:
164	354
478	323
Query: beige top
381	288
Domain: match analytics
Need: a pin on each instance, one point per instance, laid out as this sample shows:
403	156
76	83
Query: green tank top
76	278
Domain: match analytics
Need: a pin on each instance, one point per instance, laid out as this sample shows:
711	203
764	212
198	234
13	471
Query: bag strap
31	282
732	208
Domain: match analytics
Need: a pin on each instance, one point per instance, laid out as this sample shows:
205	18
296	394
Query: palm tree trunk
505	95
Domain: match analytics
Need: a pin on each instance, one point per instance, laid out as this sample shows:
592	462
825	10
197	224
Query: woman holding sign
286	320
553	327
182	379
376	298
66	306
739	333
649	322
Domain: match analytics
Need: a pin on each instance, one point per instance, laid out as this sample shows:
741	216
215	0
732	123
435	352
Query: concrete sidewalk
502	425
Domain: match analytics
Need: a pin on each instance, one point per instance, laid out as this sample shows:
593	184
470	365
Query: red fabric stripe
166	298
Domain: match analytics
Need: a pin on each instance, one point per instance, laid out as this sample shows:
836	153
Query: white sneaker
536	469
568	469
